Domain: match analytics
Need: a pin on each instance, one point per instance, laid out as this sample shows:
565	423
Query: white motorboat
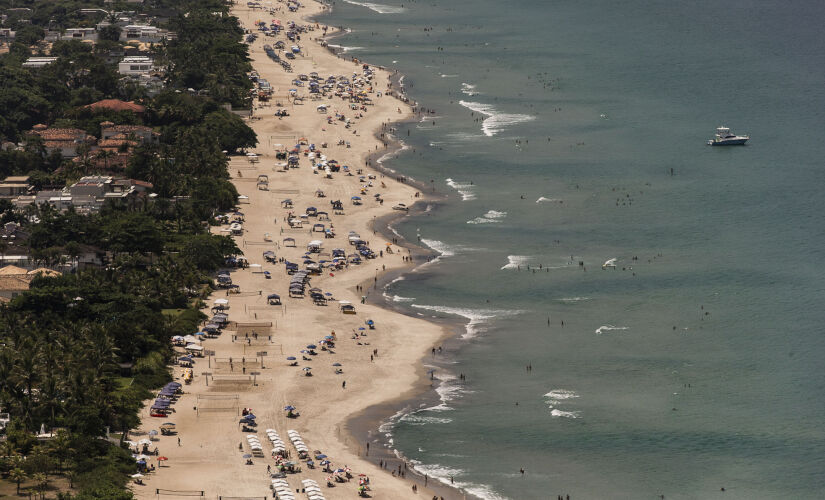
724	137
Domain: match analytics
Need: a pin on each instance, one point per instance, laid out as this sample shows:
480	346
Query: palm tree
41	483
105	155
17	475
61	444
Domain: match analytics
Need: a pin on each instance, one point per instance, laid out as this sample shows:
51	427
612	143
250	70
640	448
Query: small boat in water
724	137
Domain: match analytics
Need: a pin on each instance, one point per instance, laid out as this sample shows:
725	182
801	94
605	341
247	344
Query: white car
400	206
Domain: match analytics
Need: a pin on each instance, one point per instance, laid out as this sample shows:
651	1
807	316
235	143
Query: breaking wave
377	7
495	120
608	328
465	189
491	217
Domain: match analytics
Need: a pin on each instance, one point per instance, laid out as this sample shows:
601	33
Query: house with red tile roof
116	105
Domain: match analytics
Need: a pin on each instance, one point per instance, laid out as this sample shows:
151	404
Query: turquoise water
696	363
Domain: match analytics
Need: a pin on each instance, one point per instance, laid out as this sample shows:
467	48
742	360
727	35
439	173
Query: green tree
17	475
110	32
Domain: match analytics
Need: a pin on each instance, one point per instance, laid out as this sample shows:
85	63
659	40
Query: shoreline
210	467
366	424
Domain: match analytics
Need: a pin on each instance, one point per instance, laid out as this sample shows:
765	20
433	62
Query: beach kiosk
346	307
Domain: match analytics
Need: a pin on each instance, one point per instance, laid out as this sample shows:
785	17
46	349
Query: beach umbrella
162	459
144	441
306	369
321	457
291	358
130	443
135	476
168	424
289	408
361	328
338	471
311	346
141	462
325	462
250	416
247	456
336	364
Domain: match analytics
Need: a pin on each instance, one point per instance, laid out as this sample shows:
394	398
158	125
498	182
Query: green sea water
696	363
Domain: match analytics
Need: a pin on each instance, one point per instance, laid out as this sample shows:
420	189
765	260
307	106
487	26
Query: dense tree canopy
81	351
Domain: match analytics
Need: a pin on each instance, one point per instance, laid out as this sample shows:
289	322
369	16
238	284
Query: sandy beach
379	366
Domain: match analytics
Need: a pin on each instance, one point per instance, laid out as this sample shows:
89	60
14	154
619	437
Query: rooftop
116	105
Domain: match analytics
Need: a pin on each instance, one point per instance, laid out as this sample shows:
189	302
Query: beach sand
208	458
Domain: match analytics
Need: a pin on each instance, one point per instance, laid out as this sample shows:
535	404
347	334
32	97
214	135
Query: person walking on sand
344	384
178	440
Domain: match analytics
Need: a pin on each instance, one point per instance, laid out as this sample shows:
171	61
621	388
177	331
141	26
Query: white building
81	34
143	33
38	62
135	65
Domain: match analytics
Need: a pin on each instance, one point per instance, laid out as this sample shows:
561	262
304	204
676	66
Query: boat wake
495	120
377	7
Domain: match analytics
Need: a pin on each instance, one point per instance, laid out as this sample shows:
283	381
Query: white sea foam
495	120
564	414
469	89
491	217
548	200
344	48
574	299
418	419
561	394
478	317
439	246
465	189
398	298
515	261
377	7
608	328
386	426
393	153
451	476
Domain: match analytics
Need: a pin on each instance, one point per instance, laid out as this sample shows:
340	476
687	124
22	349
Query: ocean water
696	363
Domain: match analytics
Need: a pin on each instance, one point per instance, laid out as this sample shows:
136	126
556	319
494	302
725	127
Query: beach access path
208	455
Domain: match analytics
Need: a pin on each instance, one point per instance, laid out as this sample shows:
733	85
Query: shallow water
695	363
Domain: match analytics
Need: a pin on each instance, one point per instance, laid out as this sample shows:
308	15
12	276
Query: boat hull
729	142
